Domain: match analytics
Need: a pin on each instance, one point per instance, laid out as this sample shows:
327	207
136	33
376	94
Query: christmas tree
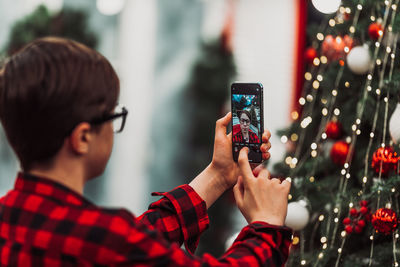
343	144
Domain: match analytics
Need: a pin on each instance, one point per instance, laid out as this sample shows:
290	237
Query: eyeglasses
118	118
244	121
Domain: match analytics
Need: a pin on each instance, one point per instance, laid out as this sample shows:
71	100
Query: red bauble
384	221
375	30
361	223
333	47
333	130
363	210
346	221
310	54
353	212
363	203
358	229
348	229
339	152
387	157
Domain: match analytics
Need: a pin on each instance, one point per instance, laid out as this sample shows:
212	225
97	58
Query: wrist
220	178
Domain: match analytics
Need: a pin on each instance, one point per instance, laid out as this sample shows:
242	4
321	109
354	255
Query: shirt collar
50	189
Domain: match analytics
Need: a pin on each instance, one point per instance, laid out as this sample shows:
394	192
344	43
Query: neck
68	175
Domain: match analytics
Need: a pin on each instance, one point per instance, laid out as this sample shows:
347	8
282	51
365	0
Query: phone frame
255	154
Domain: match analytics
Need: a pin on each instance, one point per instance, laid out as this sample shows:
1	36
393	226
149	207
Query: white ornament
297	215
359	59
394	125
327	6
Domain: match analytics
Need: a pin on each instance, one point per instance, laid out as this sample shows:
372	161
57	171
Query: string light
372	18
302	101
335	210
324	136
316	84
332	23
378	62
316	61
303	262
365	179
352	29
347	84
312	179
323	239
325	111
284	139
321	217
324	60
308	76
334	92
343	234
359	7
320	36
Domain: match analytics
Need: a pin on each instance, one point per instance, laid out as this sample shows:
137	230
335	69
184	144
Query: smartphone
247	119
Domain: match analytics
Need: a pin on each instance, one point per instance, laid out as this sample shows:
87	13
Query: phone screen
247	119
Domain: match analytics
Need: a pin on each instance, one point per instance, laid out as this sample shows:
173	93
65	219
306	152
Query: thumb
222	123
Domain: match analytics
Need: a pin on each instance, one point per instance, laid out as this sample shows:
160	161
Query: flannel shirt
43	223
253	138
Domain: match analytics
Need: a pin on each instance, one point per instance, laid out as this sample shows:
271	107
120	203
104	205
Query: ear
80	138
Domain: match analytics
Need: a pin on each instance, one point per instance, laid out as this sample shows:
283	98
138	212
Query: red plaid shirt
253	138
43	223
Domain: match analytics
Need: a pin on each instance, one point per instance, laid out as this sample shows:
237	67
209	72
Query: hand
260	198
222	160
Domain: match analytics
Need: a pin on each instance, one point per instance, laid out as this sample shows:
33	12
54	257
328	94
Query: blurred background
176	60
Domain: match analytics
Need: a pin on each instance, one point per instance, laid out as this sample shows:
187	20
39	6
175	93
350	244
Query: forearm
208	184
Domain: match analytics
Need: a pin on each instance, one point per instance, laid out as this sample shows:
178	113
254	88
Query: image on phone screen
247	119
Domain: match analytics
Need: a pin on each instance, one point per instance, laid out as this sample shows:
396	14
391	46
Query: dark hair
245	112
48	88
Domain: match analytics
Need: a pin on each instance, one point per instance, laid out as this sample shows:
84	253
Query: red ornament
339	152
361	223
353	212
384	221
310	54
333	47
363	210
363	203
385	157
333	130
358	229
375	31
348	229
346	221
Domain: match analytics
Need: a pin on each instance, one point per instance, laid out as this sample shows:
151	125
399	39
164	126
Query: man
58	106
245	135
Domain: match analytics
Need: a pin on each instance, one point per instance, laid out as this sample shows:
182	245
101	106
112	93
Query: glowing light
284	139
321	218
308	76
110	7
323	239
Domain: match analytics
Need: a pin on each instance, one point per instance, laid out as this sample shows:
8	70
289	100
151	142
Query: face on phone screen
247	120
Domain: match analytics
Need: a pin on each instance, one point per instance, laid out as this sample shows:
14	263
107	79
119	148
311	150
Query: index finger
244	164
266	136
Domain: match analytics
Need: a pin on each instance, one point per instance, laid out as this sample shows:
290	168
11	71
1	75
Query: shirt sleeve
181	216
258	244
